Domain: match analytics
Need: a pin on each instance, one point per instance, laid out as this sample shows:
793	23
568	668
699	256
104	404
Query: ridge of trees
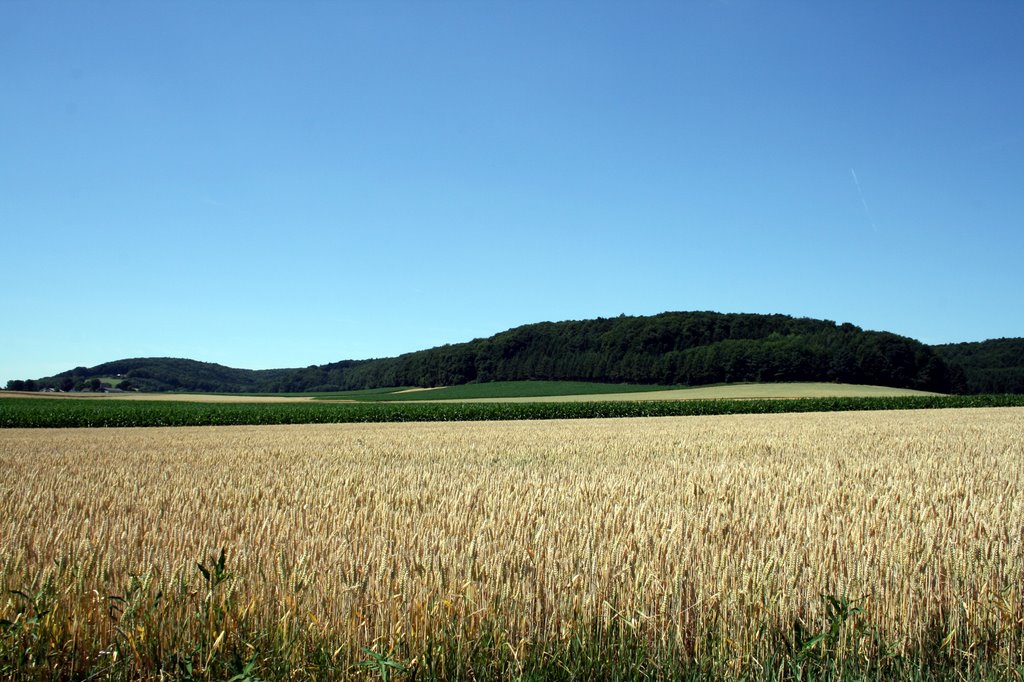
675	348
670	348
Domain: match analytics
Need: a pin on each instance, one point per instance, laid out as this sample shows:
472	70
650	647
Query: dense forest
994	366
690	348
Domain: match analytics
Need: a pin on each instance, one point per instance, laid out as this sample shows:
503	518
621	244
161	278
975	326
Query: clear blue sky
277	184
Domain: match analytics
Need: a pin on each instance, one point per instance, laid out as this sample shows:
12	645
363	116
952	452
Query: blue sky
277	184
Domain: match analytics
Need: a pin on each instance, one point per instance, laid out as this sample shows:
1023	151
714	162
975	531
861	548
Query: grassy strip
73	413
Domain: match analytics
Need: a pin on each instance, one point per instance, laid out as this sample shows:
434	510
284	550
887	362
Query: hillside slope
993	366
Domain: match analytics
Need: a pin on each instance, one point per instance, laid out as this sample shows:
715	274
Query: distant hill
677	348
994	366
166	374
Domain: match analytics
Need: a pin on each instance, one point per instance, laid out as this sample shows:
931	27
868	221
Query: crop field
557	391
519	391
778	391
776	546
505	390
92	412
149	397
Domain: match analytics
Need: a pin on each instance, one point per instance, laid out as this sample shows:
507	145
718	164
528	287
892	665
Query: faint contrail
864	203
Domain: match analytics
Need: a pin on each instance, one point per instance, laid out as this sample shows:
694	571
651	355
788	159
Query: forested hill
672	348
994	366
165	374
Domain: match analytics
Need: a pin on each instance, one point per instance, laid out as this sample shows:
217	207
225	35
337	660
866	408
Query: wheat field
719	544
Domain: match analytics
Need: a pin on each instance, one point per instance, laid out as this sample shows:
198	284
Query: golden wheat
708	532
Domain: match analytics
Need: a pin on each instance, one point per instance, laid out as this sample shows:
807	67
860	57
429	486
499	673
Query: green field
499	390
112	412
542	391
558	391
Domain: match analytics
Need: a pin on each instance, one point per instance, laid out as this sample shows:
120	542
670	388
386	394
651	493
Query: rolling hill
167	374
670	349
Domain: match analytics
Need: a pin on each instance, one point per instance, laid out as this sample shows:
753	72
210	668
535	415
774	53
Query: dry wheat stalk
704	530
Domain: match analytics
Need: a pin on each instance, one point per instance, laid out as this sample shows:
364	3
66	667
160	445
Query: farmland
110	412
882	544
522	391
560	391
563	391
